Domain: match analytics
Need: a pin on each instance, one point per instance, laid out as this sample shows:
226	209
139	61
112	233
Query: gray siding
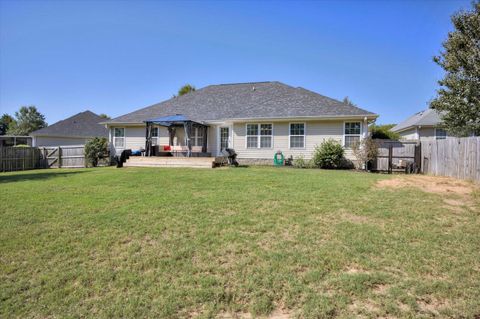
424	133
58	141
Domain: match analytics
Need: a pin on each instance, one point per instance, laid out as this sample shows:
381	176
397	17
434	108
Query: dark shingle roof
84	124
429	117
244	101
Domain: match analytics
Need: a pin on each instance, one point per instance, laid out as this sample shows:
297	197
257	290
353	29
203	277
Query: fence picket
455	157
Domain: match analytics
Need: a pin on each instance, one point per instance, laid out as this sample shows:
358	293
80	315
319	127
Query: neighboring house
421	126
255	119
75	130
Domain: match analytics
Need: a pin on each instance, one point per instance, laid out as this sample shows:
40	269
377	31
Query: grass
171	243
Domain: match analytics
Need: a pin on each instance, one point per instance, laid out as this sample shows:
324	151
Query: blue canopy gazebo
171	122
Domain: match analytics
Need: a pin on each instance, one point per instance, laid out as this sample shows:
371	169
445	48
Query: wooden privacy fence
24	158
63	156
396	156
19	158
455	157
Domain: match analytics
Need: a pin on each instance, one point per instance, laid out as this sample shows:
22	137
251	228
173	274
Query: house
75	130
423	125
255	119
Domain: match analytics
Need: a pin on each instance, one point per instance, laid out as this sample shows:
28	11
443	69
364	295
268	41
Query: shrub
329	154
365	151
383	132
301	162
95	150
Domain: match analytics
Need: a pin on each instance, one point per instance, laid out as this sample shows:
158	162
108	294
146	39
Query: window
259	135
352	131
440	134
297	135
119	137
197	139
224	136
266	131
155	134
252	135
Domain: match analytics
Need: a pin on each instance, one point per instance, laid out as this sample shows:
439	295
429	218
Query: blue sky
115	57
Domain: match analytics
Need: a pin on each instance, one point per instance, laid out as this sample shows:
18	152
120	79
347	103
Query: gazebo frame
171	123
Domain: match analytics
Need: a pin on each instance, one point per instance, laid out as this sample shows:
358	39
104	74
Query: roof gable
84	124
428	117
246	101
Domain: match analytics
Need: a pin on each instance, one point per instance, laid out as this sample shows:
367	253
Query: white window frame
119	137
196	136
437	137
304	135
359	135
229	139
155	138
259	136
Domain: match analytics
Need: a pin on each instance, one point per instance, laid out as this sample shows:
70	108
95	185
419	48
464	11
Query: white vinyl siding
315	133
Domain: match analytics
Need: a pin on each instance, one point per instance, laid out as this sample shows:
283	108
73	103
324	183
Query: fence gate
397	156
51	156
64	156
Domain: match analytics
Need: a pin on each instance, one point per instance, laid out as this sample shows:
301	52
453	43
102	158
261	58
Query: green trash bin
278	159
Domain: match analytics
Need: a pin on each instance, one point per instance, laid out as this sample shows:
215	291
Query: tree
383	132
458	98
347	101
365	151
105	116
6	121
187	88
95	150
28	119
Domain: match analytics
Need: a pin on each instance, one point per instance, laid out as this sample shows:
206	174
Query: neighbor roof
246	101
428	117
84	124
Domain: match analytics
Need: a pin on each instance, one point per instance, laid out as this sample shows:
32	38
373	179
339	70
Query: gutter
279	119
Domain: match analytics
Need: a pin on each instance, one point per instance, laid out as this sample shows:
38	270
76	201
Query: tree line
26	120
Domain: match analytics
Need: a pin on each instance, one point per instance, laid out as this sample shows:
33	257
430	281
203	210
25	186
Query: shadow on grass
38	175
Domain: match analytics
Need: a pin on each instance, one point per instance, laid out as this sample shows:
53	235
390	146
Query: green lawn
170	243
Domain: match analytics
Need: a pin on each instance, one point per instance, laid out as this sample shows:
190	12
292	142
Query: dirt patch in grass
433	305
354	269
462	191
381	289
430	184
276	314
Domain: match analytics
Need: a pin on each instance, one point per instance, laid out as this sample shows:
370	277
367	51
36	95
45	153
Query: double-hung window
440	134
155	134
266	133
119	137
197	139
252	135
259	135
352	133
297	135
